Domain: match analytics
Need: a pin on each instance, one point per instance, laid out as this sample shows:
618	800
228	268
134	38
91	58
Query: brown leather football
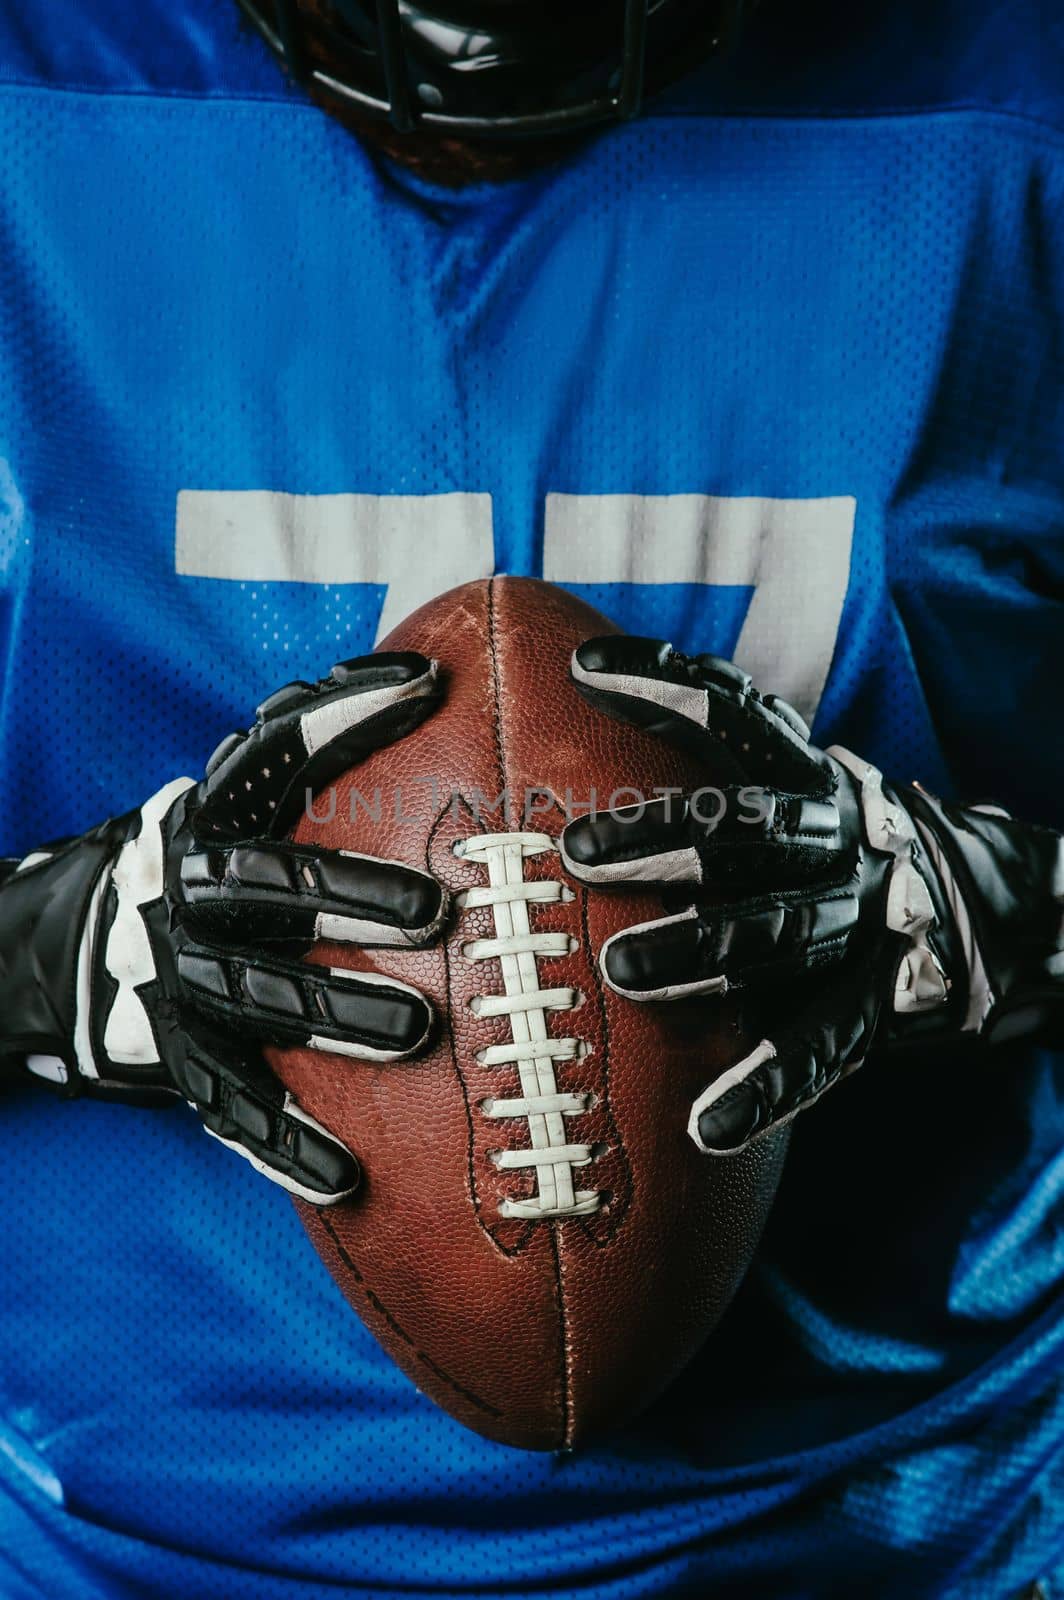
537	1241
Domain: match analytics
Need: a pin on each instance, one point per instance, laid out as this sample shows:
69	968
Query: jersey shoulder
836	60
164	47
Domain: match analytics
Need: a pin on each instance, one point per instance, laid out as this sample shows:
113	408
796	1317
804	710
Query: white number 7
794	553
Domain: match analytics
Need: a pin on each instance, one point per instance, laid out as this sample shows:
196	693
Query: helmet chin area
492	68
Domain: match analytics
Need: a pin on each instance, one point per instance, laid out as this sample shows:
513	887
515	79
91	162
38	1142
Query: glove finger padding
359	1014
304	736
741	834
789	1072
705	704
269	894
773	821
752	944
245	1107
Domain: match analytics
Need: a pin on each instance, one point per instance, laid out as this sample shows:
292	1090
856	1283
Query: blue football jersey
777	371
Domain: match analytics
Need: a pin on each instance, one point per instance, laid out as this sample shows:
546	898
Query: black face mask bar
463	91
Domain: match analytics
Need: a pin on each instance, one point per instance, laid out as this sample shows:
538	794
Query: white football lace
532	1050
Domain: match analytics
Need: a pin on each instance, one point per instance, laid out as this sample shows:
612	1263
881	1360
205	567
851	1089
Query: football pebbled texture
541	1299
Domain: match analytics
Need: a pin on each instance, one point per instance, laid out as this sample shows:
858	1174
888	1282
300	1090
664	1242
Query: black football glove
151	958
845	907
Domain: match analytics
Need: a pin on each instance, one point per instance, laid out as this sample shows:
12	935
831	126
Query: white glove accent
980	996
34	859
137	876
52	1069
323	724
921	983
765	1051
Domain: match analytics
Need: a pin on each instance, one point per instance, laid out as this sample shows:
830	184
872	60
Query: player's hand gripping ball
152	958
848	910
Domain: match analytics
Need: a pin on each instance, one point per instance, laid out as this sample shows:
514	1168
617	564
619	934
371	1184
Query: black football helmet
483	68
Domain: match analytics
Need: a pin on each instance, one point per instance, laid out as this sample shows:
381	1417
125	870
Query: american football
536	1241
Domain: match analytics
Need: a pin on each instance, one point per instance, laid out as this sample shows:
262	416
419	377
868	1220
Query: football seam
620	1203
496	691
566	1372
397	1328
563	1322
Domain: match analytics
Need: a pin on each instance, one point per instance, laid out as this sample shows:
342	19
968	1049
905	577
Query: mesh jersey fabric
793	342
